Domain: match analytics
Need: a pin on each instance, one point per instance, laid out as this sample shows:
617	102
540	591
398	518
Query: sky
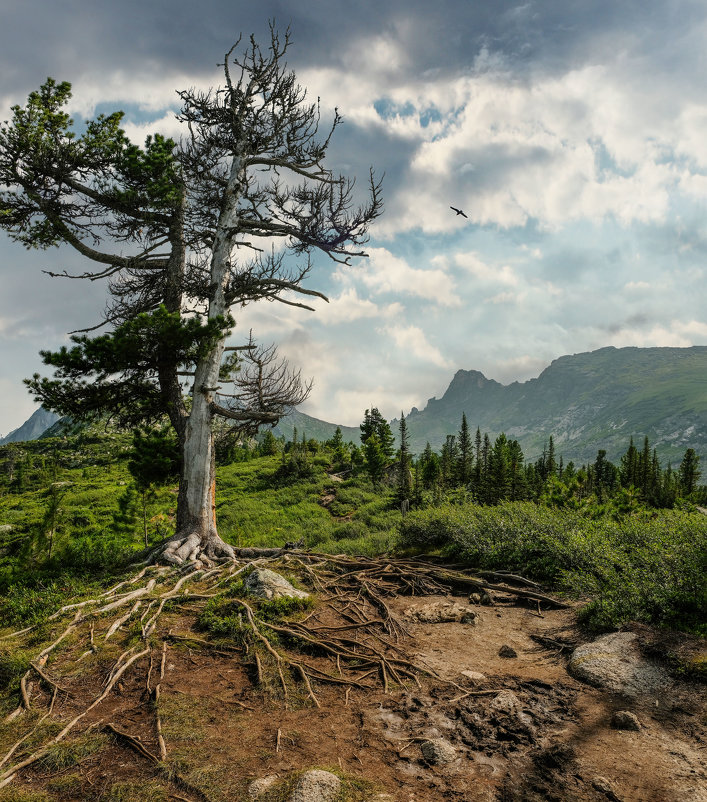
573	134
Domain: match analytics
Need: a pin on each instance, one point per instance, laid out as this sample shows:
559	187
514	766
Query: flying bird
458	211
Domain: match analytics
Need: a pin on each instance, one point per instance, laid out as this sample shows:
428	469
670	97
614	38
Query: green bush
647	567
349	530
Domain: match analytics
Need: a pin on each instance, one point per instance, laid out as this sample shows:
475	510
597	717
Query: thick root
194	547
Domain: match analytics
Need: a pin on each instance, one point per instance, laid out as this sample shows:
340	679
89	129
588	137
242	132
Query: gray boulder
614	662
316	786
265	584
258	787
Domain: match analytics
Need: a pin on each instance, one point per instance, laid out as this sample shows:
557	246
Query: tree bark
197	533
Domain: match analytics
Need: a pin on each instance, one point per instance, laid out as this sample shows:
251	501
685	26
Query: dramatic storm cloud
571	134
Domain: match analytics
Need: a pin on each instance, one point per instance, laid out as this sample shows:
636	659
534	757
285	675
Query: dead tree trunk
197	536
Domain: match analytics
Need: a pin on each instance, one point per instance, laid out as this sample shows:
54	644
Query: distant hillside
40	420
586	401
313	427
597	399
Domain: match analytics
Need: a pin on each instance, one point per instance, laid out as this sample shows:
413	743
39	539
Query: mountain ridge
37	423
587	401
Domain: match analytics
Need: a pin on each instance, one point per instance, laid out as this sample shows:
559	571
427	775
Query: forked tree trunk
197	535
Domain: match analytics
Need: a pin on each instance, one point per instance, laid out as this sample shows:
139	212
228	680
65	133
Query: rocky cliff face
32	428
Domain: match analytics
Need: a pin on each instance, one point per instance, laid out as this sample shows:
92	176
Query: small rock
476	677
506	703
442	612
602	785
474	598
258	787
507	651
316	786
437	750
625	720
265	584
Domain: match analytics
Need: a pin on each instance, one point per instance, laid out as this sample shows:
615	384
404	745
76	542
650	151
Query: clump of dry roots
351	639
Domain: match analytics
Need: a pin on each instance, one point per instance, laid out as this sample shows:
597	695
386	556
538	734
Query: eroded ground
525	731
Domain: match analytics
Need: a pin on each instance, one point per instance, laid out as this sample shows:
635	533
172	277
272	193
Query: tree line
490	471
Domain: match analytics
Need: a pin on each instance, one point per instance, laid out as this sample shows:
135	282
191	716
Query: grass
71	752
136	792
648	567
23	795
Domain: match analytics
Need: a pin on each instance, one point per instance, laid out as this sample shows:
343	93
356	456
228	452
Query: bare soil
222	730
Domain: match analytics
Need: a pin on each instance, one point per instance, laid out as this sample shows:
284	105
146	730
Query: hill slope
587	401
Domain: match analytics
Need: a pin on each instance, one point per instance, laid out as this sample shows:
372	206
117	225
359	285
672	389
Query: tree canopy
184	233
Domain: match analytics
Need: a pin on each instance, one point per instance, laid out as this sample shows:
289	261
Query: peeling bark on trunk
197	534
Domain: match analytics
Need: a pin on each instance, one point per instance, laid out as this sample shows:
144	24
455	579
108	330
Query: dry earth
222	730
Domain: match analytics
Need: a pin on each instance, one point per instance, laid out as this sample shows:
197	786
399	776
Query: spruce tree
430	468
448	461
551	461
375	424
629	467
477	470
404	484
465	454
689	472
498	474
517	485
375	459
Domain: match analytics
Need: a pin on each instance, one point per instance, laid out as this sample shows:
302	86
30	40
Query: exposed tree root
350	640
194	547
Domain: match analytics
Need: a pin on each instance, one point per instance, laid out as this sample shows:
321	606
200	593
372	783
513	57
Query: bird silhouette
458	211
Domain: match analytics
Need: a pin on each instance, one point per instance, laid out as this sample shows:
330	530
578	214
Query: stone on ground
476	677
437	751
442	612
258	787
316	786
614	662
266	584
625	720
507	651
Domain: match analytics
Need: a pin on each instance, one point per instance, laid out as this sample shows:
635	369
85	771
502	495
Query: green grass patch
23	795
70	753
150	791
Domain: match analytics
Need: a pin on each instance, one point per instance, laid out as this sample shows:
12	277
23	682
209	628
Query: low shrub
648	567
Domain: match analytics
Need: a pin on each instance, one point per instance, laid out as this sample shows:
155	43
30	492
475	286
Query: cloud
387	273
413	341
475	266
